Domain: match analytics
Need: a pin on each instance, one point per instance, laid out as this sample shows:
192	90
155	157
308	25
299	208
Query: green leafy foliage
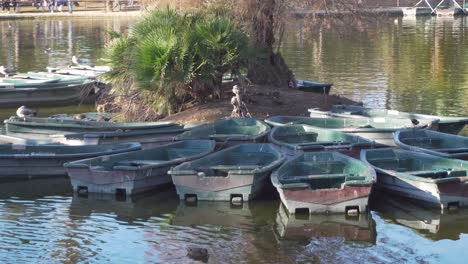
176	57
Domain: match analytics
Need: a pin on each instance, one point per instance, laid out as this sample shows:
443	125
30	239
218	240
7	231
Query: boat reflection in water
357	230
124	208
35	188
230	233
428	222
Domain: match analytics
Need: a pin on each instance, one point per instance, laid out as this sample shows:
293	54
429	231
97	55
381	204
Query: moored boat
27	161
38	125
379	130
234	174
436	181
48	94
314	87
324	182
303	138
230	131
134	172
446	124
433	142
148	138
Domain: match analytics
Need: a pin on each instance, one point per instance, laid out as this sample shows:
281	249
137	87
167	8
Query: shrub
178	58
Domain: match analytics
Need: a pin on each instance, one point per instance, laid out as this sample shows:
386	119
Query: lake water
410	65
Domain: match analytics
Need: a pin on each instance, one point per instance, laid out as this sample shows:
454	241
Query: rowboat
432	180
427	222
38	125
303	138
314	87
46	94
39	80
446	124
135	172
229	132
148	138
28	161
84	70
433	142
379	130
324	182
360	228
235	174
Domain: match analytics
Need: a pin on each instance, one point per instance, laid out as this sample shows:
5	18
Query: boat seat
438	174
138	162
180	153
313	177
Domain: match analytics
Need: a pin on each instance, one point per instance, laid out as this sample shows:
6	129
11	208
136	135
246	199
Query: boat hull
326	200
118	181
42	96
443	195
245	187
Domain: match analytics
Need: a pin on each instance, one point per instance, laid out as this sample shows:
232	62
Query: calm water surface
415	65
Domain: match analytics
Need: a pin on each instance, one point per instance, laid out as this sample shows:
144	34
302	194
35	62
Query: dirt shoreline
262	102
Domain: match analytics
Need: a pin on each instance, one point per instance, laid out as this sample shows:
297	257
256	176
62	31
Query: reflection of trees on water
410	64
34	44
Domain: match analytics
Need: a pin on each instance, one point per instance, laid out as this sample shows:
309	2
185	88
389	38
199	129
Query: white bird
6	72
24	112
76	61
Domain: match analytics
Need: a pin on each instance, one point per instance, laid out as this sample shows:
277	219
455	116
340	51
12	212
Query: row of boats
312	161
58	85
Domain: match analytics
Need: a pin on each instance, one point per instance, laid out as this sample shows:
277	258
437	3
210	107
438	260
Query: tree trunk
269	68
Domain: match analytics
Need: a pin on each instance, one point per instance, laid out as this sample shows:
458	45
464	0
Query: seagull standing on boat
6	72
76	61
24	112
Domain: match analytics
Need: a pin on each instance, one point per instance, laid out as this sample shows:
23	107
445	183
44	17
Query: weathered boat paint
134	172
324	182
235	174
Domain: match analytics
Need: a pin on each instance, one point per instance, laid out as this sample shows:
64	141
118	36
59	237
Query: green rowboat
433	142
447	124
134	172
379	130
230	131
433	180
321	182
235	174
303	138
38	125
